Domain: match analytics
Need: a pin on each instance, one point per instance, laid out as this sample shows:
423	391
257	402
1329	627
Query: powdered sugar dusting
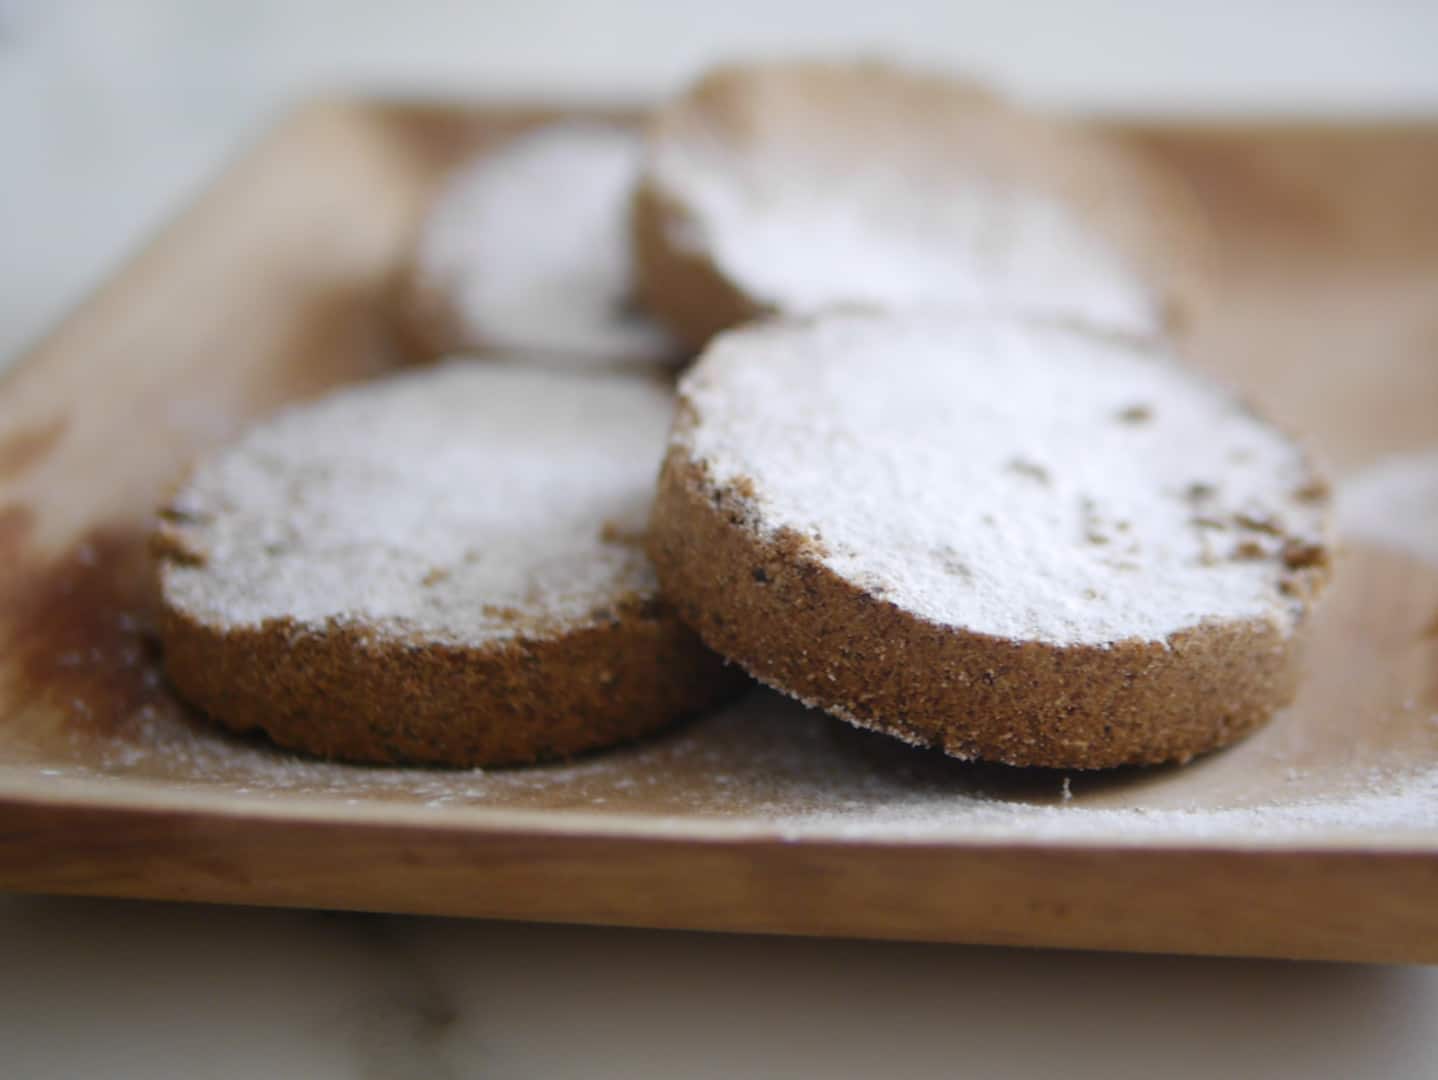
867	192
1394	503
798	241
1034	483
462	503
769	766
530	244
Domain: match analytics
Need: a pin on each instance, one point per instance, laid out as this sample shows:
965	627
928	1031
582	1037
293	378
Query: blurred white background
113	110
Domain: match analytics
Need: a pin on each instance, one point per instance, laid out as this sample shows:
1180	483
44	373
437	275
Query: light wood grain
276	286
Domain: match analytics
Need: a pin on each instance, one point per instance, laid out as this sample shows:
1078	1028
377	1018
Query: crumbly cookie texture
1032	544
792	188
445	567
528	247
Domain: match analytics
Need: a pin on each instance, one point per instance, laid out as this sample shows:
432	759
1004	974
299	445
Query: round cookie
1022	543
528	247
791	188
443	567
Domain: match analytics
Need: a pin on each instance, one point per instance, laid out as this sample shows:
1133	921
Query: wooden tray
1316	838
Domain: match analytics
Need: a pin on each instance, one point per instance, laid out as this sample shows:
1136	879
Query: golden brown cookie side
350	693
683	289
771	606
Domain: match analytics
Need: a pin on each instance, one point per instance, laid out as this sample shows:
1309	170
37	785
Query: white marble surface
91	988
113	111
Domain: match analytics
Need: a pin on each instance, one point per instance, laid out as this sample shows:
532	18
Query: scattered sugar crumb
767	764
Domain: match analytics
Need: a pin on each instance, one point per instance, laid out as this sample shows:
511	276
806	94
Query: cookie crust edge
349	692
771	606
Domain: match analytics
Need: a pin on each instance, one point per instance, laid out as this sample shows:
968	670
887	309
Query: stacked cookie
938	468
